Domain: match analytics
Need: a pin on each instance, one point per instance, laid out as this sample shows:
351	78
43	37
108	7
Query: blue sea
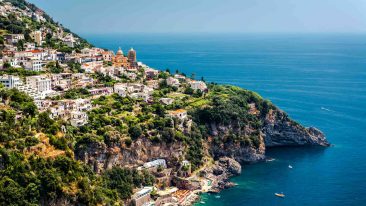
318	79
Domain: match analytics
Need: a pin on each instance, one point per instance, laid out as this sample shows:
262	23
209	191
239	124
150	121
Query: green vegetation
54	67
75	67
26	25
229	106
105	79
76	93
30	178
39	156
19	72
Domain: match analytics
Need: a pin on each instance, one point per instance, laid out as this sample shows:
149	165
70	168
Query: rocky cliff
239	127
279	130
102	156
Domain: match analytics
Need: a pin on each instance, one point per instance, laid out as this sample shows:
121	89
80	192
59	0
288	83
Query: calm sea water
320	80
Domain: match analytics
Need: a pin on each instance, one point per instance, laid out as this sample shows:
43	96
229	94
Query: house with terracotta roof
108	56
179	113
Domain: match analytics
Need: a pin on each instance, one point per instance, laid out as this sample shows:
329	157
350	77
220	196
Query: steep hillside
21	17
198	130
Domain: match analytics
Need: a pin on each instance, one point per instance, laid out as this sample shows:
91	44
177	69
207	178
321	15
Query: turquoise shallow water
320	80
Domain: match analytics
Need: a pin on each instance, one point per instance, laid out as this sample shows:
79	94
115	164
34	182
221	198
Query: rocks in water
233	167
221	171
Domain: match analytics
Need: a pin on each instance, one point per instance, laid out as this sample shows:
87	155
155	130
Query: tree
120	180
20	45
168	135
135	131
44	120
6	65
10	192
189	91
29	109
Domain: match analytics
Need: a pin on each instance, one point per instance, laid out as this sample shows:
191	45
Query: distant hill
21	17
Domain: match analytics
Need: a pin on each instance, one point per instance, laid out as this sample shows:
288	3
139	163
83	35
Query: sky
211	16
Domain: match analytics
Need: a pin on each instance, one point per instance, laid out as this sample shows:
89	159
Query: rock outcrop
279	130
102	156
240	141
221	171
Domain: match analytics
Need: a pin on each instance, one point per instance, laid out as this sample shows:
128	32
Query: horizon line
227	33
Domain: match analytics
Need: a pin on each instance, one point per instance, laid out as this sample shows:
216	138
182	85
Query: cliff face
102	156
237	151
279	130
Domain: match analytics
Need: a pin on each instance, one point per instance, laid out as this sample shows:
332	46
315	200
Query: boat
217	196
280	195
289	166
202	202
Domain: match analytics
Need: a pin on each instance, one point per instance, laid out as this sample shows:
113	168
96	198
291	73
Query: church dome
119	52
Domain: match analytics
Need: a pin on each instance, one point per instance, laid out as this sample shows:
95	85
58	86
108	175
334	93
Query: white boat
280	195
289	166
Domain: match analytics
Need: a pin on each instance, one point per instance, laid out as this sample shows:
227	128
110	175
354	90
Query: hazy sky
224	16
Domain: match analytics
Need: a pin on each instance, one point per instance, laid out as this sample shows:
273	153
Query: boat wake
326	109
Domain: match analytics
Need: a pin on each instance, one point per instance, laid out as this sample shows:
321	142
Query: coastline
238	124
213	178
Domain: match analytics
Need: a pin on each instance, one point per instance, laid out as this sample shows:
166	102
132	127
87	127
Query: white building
90	67
120	89
12	61
78	119
142	197
108	56
29	46
156	163
23	55
10	81
134	90
166	101
13	38
179	113
69	40
173	82
101	91
180	77
62	81
33	64
32	92
40	83
198	85
39	54
140	95
151	73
